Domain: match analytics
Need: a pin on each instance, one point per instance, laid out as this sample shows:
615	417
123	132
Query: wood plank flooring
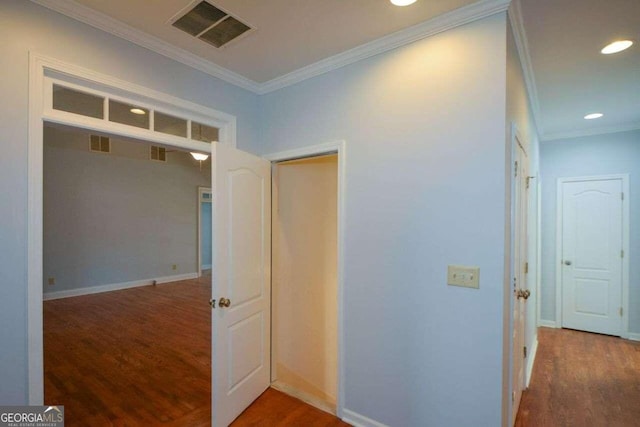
582	379
142	357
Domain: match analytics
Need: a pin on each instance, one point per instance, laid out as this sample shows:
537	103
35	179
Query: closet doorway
304	336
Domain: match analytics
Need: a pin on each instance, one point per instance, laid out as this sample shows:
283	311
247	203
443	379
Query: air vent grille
158	153
100	144
210	24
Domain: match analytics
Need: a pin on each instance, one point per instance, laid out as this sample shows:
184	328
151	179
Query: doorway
205	233
304	279
591	231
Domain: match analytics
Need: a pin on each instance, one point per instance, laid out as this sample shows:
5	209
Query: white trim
624	333
531	358
110	25
48	296
555	136
305	397
338	147
633	336
39	65
522	45
547	323
464	15
358	420
439	24
206	267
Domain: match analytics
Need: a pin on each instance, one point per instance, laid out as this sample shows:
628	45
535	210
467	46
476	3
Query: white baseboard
116	286
531	358
547	323
358	420
206	267
633	336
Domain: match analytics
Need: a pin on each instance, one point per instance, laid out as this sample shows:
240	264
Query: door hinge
526	267
621	196
515	169
524	351
622	253
620	311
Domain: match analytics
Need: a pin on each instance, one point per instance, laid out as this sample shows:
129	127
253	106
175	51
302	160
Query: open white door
241	320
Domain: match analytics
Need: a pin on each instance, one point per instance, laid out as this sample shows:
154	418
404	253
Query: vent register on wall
210	24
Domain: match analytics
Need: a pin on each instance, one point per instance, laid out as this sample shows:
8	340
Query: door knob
567	262
224	302
524	294
212	303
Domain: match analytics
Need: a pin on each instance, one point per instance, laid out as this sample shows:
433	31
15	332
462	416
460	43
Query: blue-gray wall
425	180
615	153
25	26
119	217
206	234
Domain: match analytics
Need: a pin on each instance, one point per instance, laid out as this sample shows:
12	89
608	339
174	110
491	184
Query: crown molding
441	23
522	45
110	25
556	136
480	9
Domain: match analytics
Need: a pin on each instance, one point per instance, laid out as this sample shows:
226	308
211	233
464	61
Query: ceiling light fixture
403	2
617	46
200	156
593	116
139	111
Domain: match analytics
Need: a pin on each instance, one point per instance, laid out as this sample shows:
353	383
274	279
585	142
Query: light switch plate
463	275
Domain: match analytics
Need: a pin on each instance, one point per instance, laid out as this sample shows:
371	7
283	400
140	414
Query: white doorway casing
205	198
43	71
339	148
592	250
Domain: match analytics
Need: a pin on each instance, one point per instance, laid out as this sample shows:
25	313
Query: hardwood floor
142	356
582	379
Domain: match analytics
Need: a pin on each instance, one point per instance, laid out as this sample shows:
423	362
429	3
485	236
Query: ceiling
560	41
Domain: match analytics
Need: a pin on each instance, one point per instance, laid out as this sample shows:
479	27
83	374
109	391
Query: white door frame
336	147
625	244
41	68
201	200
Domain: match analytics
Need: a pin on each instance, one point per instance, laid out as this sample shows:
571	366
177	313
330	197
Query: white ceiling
290	34
296	39
571	76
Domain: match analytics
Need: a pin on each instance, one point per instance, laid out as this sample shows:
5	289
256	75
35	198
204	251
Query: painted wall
206	234
304	276
614	153
25	26
425	184
519	113
119	217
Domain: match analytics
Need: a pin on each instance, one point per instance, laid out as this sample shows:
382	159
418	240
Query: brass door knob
523	293
567	262
224	302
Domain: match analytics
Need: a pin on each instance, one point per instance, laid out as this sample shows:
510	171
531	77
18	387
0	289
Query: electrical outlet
174	267
52	281
465	276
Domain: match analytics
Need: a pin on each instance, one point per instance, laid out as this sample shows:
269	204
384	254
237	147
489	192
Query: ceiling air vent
100	144
210	24
158	153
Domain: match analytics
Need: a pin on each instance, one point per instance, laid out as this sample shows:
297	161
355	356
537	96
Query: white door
241	277
591	255
520	293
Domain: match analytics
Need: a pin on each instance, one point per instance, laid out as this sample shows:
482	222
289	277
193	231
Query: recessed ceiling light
138	111
593	116
403	2
617	46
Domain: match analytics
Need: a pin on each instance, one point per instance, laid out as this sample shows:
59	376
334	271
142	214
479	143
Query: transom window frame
43	72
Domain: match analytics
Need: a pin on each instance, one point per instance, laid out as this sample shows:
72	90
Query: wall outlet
51	281
174	267
465	276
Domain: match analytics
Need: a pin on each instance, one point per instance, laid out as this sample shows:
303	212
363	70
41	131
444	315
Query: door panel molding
624	178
